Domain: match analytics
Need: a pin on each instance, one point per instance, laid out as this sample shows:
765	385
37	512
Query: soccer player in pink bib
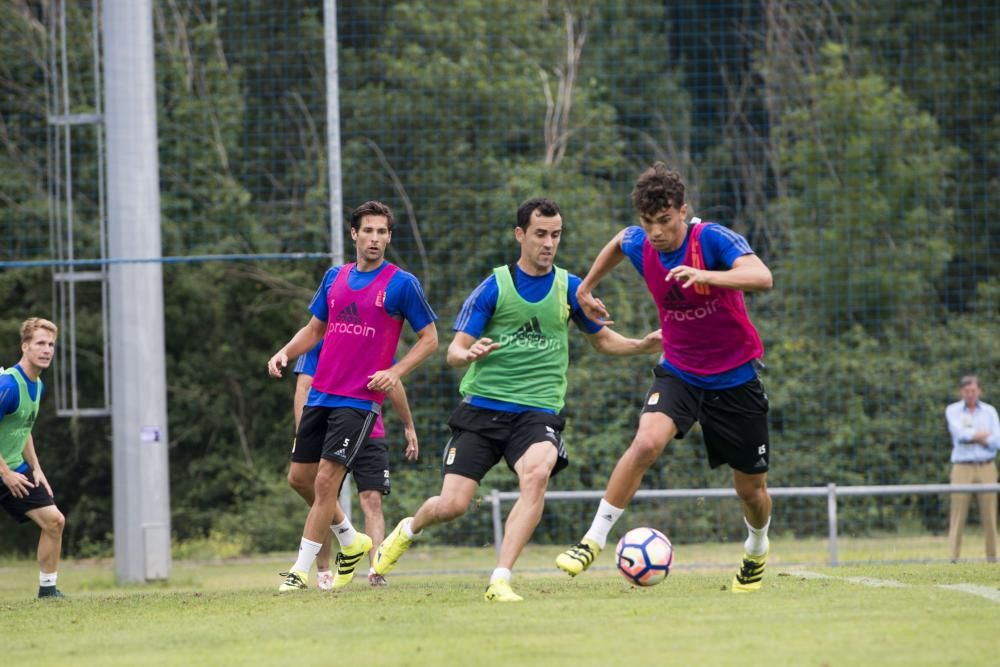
358	313
696	273
371	469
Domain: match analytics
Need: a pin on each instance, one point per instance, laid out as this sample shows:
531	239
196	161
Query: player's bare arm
608	341
400	403
748	274
465	349
610	256
304	340
32	458
427	342
412	451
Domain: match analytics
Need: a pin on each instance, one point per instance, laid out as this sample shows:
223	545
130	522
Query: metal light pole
138	375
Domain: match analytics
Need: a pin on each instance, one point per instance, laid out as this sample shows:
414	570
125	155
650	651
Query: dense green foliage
855	145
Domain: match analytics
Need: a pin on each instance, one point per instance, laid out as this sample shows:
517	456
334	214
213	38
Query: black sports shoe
50	592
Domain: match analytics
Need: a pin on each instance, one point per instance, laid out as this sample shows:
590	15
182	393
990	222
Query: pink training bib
360	339
706	330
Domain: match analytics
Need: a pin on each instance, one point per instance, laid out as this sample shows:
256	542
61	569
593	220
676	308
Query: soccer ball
644	556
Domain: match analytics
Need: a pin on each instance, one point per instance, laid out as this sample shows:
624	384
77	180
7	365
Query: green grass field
432	613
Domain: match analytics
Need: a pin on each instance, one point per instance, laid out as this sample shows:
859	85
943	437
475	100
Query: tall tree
868	203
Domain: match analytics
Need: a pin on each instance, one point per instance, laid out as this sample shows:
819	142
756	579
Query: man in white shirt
975	439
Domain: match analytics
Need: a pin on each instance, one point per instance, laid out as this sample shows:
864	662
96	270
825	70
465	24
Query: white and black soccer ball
644	556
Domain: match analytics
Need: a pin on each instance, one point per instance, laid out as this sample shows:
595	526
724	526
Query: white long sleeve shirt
963	423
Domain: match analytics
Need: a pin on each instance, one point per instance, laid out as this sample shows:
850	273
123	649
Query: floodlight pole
333	132
138	368
334	173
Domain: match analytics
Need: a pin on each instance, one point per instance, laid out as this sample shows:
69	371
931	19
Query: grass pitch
432	613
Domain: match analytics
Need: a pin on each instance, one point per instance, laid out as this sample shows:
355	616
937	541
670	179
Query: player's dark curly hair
545	207
371	208
658	188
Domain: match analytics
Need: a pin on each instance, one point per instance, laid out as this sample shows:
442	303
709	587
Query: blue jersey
721	247
10	394
307	362
404	297
10	398
481	304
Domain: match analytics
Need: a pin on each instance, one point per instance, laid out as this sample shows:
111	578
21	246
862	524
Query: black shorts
38	496
481	437
371	467
335	434
733	421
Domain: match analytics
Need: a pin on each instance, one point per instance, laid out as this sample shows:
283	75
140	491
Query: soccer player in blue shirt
512	337
358	311
371	469
25	492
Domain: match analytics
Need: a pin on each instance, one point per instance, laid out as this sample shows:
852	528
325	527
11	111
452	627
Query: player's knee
299	482
534	479
752	494
645	450
450	508
54	522
325	486
371	502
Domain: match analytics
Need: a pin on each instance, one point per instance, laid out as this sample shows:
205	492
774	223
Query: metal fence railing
831	491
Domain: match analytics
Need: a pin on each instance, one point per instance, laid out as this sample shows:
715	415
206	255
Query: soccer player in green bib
512	335
25	493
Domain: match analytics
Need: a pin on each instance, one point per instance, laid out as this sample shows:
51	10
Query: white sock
500	573
344	532
409	531
604	520
757	543
308	550
47	578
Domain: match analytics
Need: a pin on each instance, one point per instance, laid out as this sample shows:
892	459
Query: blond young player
25	492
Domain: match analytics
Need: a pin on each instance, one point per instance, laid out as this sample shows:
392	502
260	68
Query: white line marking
864	581
991	594
878	583
806	574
